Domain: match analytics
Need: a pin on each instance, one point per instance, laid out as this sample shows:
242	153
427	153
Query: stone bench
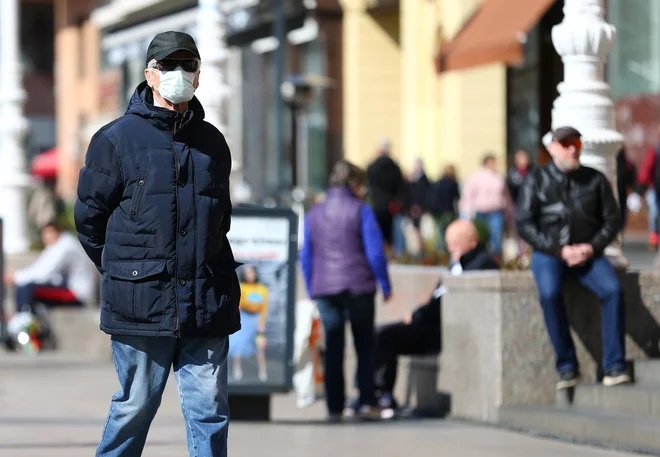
496	351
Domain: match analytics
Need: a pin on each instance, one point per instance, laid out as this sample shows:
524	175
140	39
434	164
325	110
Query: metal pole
279	31
302	147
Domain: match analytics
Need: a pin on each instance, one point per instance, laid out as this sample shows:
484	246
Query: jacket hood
142	104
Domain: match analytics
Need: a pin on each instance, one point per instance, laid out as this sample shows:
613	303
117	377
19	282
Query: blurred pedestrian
648	183
568	214
485	197
443	202
522	165
62	274
153	213
342	259
625	181
418	193
388	188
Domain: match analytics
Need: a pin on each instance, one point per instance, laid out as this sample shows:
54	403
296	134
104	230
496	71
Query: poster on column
260	354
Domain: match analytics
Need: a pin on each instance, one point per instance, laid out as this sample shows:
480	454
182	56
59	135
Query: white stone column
214	87
13	125
584	40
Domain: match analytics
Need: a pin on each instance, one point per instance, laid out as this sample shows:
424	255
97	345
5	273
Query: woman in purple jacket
343	258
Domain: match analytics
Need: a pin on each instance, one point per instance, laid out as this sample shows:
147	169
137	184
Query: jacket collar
467	258
142	104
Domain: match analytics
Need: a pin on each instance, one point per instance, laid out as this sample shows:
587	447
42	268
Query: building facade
448	81
312	134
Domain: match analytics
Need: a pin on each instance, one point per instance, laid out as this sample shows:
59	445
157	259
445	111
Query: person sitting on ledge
568	214
62	274
419	332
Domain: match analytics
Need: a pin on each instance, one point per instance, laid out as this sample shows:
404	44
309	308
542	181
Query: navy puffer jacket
153	213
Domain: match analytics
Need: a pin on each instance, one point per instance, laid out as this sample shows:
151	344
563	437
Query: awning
45	164
494	34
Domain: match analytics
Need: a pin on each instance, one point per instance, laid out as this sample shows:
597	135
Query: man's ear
148	75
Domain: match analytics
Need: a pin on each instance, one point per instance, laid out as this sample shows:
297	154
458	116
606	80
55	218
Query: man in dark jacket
153	213
568	214
419	332
388	191
521	168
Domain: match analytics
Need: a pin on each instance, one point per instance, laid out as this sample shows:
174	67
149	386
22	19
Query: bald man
419	333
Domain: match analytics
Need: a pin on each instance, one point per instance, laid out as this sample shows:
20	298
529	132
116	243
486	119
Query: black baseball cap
564	133
166	43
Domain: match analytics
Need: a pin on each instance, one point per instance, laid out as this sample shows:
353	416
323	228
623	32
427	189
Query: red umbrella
45	164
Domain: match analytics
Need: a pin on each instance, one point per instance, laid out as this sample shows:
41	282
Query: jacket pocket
223	289
138	194
134	290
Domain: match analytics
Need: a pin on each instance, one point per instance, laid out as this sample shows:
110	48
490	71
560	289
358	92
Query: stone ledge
496	351
522	280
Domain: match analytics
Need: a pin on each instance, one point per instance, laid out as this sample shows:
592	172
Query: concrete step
647	372
605	429
628	399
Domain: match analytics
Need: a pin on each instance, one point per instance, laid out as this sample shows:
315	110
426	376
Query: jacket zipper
176	210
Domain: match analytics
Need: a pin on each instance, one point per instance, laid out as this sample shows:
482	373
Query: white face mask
176	86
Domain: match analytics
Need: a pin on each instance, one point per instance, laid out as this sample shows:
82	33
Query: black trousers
385	222
394	340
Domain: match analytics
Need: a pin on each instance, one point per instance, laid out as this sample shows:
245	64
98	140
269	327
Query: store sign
250	20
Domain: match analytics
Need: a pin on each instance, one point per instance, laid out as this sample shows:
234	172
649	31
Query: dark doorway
532	88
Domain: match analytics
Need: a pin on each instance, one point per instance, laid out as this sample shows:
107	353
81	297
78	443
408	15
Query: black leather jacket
556	209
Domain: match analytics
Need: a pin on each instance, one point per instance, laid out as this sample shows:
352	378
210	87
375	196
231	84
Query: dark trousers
386	223
360	312
394	340
28	294
600	278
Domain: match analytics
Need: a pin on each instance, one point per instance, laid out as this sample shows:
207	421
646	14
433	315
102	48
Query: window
634	65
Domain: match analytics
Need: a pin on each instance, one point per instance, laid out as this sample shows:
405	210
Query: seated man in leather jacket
419	332
568	214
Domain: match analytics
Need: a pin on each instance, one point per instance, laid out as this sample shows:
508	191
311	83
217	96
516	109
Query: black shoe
616	377
567	379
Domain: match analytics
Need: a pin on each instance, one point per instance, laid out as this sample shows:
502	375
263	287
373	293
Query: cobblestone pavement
55	406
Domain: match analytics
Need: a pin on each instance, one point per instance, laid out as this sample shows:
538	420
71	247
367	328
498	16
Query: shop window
634	65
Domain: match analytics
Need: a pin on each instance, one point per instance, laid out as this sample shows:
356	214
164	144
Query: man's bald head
461	237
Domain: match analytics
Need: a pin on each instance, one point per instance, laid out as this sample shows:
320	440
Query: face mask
176	86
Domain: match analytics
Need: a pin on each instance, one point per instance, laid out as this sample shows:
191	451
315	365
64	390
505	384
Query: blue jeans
495	222
652	203
360	311
398	239
600	278
143	365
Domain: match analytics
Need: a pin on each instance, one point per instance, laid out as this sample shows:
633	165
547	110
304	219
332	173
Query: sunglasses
188	65
567	143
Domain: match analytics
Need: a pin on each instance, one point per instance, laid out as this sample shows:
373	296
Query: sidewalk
55	406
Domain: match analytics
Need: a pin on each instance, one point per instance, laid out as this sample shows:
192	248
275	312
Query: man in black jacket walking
568	214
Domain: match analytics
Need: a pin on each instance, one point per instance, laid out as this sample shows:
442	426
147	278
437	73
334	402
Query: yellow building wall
372	81
474	117
421	110
392	89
